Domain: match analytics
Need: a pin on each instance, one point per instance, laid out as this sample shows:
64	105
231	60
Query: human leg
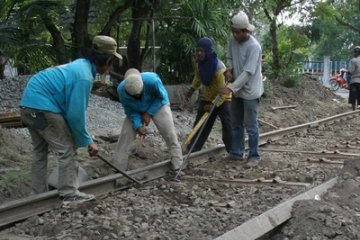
59	138
127	136
164	122
238	132
251	126
39	155
224	114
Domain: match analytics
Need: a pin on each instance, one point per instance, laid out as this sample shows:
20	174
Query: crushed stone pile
336	216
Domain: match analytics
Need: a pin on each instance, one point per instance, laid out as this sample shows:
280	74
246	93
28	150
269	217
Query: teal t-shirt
64	89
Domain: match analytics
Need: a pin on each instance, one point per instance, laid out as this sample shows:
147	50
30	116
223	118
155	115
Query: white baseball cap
241	21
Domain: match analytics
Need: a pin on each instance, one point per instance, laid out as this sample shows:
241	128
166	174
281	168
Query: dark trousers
354	95
223	112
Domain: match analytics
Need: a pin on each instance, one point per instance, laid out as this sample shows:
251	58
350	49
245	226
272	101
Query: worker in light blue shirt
53	107
144	98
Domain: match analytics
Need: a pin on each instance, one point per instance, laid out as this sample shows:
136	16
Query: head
204	49
356	51
134	84
103	53
241	27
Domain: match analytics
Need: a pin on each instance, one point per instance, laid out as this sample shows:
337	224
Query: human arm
159	94
75	111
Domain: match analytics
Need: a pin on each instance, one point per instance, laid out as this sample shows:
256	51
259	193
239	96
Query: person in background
53	107
244	69
354	70
144	98
209	78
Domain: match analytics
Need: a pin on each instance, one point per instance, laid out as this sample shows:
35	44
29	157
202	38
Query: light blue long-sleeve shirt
153	97
64	89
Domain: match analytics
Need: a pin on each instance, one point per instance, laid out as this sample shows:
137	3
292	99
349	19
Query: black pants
354	96
223	111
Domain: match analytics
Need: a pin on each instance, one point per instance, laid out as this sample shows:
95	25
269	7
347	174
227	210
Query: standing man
144	98
53	107
209	78
244	69
354	70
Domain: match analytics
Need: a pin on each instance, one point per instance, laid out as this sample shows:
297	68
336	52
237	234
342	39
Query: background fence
317	68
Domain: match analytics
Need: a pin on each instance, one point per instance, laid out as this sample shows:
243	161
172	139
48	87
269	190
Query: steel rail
21	209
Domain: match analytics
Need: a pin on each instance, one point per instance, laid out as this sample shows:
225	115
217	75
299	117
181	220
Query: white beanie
133	82
241	21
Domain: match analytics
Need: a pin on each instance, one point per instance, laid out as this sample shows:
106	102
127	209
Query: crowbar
194	130
101	157
213	105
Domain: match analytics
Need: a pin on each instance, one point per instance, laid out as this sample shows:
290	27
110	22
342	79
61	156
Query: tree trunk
3	61
58	41
133	49
114	18
140	10
274	48
80	34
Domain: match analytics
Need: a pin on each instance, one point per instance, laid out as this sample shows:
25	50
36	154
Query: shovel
104	159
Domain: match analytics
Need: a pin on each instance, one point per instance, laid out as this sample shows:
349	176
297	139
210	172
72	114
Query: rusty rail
37	204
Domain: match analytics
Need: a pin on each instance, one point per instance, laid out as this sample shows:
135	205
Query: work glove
229	75
146	118
207	107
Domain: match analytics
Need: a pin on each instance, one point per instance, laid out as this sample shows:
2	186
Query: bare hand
92	149
225	90
229	75
141	130
146	118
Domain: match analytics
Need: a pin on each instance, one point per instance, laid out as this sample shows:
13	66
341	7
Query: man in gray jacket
354	70
244	70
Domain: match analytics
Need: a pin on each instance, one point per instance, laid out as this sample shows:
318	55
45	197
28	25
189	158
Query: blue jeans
244	117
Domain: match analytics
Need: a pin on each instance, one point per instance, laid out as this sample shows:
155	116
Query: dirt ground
105	117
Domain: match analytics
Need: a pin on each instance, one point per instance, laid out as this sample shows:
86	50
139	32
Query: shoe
252	163
78	197
234	157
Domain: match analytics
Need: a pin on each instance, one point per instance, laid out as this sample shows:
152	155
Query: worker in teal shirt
53	107
144	98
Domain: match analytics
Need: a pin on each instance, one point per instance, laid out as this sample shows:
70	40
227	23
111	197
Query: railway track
229	177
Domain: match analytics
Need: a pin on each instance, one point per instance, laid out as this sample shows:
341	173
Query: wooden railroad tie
10	120
257	181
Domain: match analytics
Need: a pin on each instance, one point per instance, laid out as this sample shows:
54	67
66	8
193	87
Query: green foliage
34	58
289	78
179	36
268	89
337	29
293	50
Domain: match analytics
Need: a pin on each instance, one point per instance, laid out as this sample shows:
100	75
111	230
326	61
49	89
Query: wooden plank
283	107
9	117
15	124
329	154
257	181
258	226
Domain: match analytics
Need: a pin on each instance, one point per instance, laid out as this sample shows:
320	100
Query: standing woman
209	79
354	70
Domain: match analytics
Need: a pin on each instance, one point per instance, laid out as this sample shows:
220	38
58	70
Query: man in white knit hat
144	98
244	71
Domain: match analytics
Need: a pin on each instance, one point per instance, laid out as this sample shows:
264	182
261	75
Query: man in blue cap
53	107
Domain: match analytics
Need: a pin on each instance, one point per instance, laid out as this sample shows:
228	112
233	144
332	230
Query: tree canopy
41	33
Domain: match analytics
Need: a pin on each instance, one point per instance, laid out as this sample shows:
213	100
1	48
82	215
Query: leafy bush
268	89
